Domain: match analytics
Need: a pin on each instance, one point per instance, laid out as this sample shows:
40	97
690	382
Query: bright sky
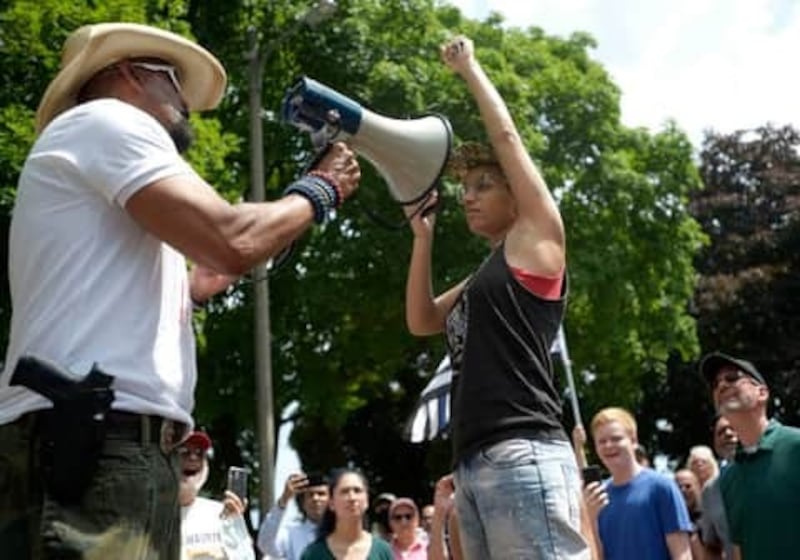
707	64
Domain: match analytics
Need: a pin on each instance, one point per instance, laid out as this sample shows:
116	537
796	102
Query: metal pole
265	422
567	363
265	419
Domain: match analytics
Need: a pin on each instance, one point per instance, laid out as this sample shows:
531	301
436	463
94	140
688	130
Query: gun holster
72	433
71	438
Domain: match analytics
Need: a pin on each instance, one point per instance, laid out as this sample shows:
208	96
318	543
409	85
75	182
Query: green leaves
747	296
16	138
631	249
214	156
339	340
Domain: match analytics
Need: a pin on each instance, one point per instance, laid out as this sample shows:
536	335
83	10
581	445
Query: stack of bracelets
321	190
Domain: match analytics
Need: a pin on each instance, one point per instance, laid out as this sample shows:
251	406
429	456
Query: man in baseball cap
761	488
107	216
712	363
380	515
209	528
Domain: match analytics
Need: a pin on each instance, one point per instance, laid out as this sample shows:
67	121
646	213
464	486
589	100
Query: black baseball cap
711	364
317	479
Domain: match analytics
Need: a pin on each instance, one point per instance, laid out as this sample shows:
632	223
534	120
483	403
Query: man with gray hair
761	488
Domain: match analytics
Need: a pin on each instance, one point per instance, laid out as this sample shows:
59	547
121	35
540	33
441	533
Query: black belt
126	426
121	425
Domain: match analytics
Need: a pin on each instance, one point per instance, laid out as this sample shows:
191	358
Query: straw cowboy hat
94	47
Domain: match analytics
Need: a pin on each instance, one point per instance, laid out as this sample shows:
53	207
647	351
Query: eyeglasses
403	517
166	68
730	377
484	183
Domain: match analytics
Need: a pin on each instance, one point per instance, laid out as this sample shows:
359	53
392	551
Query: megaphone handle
317	158
433	208
383	222
422	206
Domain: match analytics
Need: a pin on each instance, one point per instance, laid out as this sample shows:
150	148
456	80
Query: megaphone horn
410	154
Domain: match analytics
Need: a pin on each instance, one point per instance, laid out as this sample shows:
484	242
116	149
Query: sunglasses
730	377
165	68
403	517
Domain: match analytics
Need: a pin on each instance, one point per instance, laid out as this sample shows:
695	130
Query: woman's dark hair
328	523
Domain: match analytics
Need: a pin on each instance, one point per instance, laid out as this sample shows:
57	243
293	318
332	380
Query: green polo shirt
761	491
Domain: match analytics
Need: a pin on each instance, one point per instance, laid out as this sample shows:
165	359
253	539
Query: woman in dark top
517	486
342	534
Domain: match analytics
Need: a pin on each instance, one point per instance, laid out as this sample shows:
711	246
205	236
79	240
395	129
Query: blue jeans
520	499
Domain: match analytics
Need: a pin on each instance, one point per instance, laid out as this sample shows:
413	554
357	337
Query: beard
190	485
181	133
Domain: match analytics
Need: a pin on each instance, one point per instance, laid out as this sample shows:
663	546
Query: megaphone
410	154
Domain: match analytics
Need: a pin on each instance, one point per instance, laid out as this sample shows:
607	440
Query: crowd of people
389	527
108	217
719	504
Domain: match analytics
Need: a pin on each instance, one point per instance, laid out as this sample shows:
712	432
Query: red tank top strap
546	287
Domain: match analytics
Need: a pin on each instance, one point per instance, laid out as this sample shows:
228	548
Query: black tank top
499	336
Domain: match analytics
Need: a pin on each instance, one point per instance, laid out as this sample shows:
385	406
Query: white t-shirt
88	284
205	536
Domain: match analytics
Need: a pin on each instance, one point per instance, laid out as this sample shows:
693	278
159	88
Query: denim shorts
130	510
520	499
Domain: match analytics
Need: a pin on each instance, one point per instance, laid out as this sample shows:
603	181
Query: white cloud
720	64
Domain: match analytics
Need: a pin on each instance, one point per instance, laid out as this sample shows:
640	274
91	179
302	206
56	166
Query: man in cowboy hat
107	215
761	487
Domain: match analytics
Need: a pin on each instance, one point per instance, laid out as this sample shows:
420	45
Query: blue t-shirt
639	516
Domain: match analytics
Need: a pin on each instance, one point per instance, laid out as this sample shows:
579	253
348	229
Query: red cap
199	439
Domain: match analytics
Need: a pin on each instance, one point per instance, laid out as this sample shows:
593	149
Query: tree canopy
746	301
340	347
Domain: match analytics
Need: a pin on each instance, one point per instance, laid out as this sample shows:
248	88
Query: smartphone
592	473
237	481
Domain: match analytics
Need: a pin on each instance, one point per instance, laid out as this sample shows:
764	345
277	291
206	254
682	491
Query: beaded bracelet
321	200
332	181
330	192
